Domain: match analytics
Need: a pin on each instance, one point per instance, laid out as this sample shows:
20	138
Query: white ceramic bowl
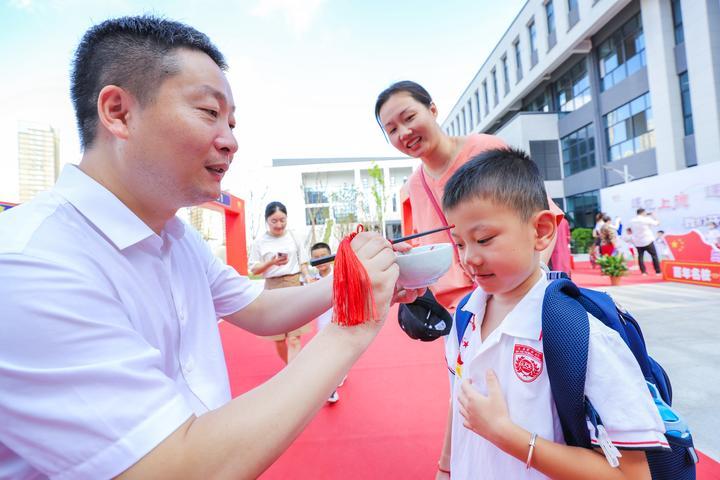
423	266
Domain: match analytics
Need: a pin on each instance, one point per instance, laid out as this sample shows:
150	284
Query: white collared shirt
514	350
108	332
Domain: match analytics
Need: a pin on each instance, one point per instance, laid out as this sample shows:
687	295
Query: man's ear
114	106
545	229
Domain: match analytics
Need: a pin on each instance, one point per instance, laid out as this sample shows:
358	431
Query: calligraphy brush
319	261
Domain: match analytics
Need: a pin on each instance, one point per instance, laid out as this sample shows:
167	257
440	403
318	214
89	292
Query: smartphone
282	254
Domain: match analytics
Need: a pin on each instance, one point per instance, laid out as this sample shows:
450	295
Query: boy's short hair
506	176
320	245
639	211
134	53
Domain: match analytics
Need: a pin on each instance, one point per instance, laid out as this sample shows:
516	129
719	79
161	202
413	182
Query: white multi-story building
342	191
602	92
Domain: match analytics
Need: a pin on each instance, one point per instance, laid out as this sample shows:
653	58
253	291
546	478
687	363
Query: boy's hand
485	415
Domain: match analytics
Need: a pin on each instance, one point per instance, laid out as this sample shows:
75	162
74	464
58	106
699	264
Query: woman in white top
278	257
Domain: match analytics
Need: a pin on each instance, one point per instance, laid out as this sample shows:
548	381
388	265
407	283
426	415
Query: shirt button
188	365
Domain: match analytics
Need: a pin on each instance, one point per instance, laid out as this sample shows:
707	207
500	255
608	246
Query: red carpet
583	274
391	415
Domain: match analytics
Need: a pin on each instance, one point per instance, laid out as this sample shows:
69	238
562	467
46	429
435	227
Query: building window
581	209
677	22
573	88
506	74
573	13
461	126
630	129
538	104
316	215
622	54
485	95
495	87
532	36
313	196
578	150
686	106
464	121
470	114
518	62
477	104
550	16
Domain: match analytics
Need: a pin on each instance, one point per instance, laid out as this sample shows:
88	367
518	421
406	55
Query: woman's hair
273	207
415	90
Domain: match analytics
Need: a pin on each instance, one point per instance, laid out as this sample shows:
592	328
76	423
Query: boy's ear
545	229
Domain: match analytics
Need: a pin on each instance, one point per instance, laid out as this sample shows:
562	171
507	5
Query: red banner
694	260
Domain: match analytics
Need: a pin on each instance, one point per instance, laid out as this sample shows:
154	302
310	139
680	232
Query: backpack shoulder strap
566	336
462	317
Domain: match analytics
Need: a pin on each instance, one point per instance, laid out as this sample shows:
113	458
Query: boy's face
497	248
325	268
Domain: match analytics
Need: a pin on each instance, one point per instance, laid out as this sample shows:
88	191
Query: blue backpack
566	333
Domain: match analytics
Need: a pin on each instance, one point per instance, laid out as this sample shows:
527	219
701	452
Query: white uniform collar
521	322
104	210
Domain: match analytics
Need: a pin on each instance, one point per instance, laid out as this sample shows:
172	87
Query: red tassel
353	300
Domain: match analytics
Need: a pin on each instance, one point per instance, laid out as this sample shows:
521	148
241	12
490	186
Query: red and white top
614	384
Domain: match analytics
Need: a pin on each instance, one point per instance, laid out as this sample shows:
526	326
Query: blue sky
304	73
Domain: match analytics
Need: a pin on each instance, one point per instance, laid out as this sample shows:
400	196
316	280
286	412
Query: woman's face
410	125
276	223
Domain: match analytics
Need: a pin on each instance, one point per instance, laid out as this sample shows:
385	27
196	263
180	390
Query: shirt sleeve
83	394
617	389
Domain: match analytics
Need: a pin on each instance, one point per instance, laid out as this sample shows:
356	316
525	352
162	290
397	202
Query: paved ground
681	324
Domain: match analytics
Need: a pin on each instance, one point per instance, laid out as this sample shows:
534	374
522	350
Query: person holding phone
277	256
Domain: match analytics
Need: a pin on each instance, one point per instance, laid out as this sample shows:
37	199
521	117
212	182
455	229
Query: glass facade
573	88
686	106
477	105
532	36
538	104
550	14
485	95
495	87
506	74
677	22
518	62
581	209
578	150
622	54
630	129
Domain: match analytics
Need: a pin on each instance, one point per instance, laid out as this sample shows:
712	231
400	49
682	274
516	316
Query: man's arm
244	437
284	309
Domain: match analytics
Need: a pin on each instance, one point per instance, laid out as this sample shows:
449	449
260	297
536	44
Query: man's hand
485	415
403	295
376	255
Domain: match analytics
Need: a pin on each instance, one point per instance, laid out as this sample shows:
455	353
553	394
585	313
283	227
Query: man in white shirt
110	358
643	238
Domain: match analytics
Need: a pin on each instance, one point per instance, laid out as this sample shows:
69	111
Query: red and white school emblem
527	362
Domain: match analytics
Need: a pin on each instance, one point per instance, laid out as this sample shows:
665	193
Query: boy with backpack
505	416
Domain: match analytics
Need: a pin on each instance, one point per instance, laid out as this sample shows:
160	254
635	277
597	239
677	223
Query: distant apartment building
338	193
602	93
38	159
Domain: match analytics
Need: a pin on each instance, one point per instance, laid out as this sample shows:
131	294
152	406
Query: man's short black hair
320	245
135	53
640	211
506	176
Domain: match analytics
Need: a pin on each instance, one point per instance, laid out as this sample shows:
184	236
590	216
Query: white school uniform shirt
514	350
266	246
642	234
108	332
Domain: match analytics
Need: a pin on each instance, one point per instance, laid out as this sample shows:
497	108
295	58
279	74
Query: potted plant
614	266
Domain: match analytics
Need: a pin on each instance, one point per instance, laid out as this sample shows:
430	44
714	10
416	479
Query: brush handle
319	261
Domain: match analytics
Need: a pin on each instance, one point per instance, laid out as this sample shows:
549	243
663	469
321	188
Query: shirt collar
104	210
523	321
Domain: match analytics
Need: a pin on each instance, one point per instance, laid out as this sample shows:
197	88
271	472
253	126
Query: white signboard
681	200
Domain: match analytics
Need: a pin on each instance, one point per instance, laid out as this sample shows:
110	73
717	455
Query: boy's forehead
320	252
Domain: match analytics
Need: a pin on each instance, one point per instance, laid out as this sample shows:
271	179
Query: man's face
181	143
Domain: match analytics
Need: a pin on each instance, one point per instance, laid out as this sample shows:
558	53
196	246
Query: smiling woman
408	116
